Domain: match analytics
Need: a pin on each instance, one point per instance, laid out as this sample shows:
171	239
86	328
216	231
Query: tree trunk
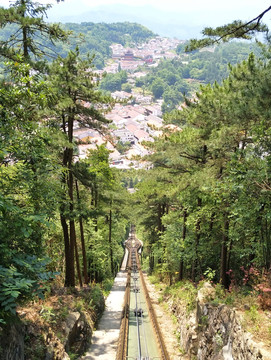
159	221
65	229
69	263
224	279
267	245
72	224
181	265
110	241
78	264
96	207
25	32
85	271
196	263
151	261
159	217
69	234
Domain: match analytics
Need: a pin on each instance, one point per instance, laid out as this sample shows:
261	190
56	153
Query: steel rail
141	333
159	337
124	328
143	328
133	263
137	322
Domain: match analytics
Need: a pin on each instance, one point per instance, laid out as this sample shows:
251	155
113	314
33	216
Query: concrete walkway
105	339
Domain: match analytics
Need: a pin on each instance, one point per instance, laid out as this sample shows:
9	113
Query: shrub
25	279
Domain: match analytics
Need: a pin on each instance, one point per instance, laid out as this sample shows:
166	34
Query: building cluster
131	124
129	59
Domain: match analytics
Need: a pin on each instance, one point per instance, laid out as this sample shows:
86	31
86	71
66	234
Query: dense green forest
202	210
207	198
59	218
93	39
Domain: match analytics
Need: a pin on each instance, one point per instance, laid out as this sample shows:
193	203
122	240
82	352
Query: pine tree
77	99
30	31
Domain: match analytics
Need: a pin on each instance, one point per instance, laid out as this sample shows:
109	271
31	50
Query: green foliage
122	147
184	291
125	33
107	286
28	31
37	111
253	320
92	38
157	88
114	82
107	195
48	314
23	280
126	87
209	274
220	296
96	297
205	204
171	79
27	199
236	30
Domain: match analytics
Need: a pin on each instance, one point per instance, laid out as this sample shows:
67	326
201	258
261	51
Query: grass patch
245	299
183	291
107	286
49	316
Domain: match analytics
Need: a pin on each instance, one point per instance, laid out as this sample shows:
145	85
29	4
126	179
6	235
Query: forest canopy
92	38
203	206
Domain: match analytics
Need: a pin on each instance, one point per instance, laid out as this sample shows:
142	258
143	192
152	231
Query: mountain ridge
164	23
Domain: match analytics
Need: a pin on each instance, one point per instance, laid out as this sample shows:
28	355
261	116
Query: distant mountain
163	23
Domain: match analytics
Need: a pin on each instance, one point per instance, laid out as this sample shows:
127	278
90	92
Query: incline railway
140	336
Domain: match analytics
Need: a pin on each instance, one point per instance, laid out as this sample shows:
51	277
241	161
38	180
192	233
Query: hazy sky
213	12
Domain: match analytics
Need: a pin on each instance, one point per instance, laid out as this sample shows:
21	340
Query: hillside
91	38
164	23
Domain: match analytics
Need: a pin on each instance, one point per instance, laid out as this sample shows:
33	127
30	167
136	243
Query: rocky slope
57	328
216	332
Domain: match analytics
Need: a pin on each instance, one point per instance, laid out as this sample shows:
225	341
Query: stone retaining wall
215	333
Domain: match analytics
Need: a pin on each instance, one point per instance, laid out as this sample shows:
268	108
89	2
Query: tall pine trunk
68	242
196	263
181	264
69	278
78	264
224	278
68	231
159	220
82	236
110	241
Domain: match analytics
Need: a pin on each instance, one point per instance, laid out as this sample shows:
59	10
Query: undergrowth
49	315
184	291
251	299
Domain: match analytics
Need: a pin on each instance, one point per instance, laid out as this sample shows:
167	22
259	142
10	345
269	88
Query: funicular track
135	283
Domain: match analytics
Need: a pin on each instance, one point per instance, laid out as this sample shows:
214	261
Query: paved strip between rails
148	343
105	339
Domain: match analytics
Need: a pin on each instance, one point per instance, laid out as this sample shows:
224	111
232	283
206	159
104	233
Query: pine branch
236	29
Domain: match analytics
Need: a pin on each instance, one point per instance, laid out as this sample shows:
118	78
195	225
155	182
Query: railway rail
139	323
